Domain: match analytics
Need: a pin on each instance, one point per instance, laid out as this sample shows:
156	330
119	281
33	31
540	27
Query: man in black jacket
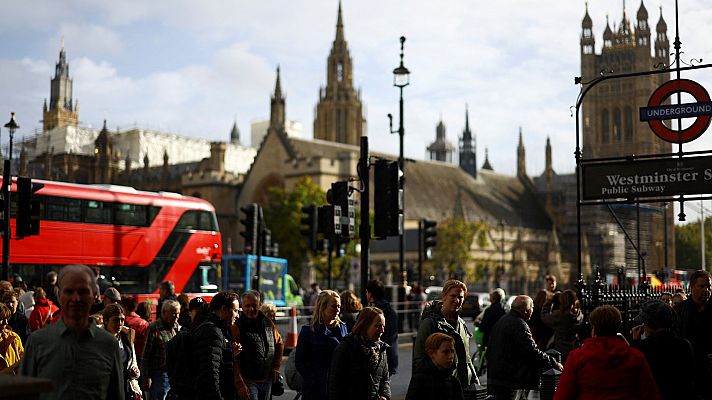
257	366
695	324
376	296
513	357
213	349
669	356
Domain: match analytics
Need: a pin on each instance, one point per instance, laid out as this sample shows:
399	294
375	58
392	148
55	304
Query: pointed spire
487	164
278	86
234	134
662	25
548	168
521	161
587	23
339	26
467	134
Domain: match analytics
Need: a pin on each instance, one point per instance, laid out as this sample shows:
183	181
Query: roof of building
433	187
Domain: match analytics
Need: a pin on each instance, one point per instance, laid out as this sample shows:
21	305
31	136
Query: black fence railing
627	299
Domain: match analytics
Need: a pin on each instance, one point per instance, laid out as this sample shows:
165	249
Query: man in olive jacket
444	316
512	355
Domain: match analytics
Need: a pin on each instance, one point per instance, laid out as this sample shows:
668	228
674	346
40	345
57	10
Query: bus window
189	221
63	209
130	214
207	221
271	280
205	279
97	212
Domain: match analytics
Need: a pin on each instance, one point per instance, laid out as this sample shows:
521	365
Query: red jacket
139	325
42	314
606	368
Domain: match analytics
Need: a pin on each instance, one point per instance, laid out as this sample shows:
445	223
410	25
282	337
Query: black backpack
179	363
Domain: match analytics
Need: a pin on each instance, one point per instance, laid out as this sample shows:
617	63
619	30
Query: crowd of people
107	346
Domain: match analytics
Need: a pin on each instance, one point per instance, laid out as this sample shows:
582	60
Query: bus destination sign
647	178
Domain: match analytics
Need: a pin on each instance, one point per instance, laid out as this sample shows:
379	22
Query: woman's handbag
278	387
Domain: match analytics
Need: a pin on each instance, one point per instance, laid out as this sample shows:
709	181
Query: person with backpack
213	349
179	351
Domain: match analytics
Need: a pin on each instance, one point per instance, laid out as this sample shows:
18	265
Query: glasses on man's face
118	319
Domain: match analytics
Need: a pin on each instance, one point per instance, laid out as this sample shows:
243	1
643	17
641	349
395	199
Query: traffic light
388	199
250	224
329	218
310	225
28	209
340	197
430	238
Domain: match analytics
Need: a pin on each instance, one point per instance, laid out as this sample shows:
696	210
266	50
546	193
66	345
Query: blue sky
193	68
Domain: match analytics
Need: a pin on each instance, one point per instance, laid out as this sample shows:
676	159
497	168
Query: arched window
628	132
605	127
617	127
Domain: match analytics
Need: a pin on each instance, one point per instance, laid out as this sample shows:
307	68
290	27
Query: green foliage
687	244
283	214
455	236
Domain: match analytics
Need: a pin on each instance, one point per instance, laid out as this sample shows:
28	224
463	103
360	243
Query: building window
628	133
339	72
605	127
617	125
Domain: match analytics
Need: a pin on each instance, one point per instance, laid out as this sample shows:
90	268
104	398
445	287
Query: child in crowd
433	379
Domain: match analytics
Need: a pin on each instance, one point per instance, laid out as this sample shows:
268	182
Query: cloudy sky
195	67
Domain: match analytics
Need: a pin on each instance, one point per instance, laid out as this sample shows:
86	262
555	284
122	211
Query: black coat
492	314
672	363
212	352
513	359
430	382
350	377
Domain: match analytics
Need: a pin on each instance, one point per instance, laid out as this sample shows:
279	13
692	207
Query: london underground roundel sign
656	112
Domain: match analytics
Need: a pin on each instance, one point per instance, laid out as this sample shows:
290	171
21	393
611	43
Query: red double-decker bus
137	239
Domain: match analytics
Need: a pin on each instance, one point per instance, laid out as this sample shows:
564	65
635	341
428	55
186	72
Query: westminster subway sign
647	178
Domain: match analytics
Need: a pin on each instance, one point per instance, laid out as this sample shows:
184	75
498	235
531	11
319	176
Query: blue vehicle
279	288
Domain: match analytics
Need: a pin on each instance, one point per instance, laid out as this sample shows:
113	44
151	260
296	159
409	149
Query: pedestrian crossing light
430	238
388	199
310	222
250	224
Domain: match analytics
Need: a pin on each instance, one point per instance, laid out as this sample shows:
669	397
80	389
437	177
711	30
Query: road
400	381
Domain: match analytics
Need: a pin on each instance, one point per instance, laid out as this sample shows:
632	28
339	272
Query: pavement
399	381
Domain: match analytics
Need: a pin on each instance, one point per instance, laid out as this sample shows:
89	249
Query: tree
282	214
687	245
455	236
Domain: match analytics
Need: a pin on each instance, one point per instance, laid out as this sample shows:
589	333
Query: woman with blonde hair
317	342
565	321
350	307
359	366
11	349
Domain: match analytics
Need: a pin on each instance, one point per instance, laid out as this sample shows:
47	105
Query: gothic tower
339	115
61	111
468	148
610	124
441	149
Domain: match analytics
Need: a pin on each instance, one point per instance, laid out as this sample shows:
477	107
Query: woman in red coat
606	367
43	312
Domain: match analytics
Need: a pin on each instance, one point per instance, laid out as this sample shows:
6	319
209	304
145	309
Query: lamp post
6	182
401	79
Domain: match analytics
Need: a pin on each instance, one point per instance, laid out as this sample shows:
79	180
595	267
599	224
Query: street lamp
401	79
6	182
